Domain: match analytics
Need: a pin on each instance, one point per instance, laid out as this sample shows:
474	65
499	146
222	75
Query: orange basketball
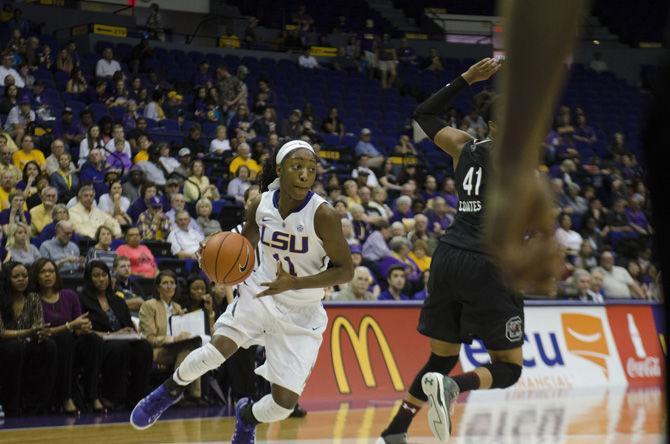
227	258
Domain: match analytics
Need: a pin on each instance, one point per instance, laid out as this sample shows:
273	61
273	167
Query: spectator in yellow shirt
145	145
244	158
40	216
27	153
7	183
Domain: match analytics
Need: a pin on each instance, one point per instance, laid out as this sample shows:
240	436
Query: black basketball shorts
467	300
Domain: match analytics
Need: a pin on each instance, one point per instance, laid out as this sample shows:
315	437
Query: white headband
284	151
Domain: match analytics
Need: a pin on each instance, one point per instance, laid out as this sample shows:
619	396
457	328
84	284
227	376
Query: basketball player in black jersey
467	298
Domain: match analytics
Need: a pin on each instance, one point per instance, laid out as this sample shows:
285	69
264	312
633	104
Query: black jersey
470	176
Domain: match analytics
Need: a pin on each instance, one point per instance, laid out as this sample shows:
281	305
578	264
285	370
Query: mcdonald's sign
359	342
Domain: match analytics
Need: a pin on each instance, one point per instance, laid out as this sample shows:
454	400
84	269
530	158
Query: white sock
197	363
267	410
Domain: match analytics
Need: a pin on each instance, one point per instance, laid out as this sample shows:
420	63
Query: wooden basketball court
614	416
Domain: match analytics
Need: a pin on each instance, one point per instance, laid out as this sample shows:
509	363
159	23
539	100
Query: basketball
227	258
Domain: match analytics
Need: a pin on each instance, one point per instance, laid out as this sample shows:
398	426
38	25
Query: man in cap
19	117
153	223
184	158
366	147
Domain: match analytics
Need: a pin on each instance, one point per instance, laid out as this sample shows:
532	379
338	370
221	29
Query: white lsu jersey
294	242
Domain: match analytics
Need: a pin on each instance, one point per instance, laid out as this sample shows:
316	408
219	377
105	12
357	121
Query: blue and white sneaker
244	433
442	392
149	409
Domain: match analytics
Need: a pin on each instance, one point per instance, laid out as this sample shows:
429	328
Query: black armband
429	113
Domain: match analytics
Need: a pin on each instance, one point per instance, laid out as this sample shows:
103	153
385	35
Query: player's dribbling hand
283	282
481	70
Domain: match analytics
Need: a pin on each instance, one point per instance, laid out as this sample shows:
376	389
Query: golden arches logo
359	341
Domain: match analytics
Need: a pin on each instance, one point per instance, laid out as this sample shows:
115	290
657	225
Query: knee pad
267	410
504	374
439	364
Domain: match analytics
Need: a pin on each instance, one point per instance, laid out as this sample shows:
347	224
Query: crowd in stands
91	197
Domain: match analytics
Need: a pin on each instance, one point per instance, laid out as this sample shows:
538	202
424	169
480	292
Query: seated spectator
106	66
6	160
364	146
62	250
307	61
125	287
348	232
92	173
118	159
102	250
184	159
28	183
28	153
576	204
29	374
165	159
79	350
10	98
420	254
637	217
15	213
364	174
132	188
192	141
204	210
185	240
403	209
198	296
52	164
220	144
115	204
373	210
395	277
92	140
19	249
581	280
566	236
357	289
423	293
585	258
77	83
142	261
617	221
7	70
332	124
154	109
400	248
151	168
126	363
375	247
118	135
178	203
359	223
59	212
65	181
7	184
153	224
239	184
266	124
86	218
18	120
351	193
584	133
168	351
198	186
421	231
40	215
291	127
617	282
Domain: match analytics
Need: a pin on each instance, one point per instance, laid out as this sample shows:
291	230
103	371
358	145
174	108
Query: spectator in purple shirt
203	77
396	283
400	248
441	216
584	133
70	131
403	209
638	220
118	159
449	192
79	349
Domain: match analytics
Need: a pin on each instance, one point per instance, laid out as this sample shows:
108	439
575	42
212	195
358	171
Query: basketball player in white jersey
298	234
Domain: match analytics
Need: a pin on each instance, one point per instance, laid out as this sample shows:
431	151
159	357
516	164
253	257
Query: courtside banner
368	352
637	342
372	351
564	347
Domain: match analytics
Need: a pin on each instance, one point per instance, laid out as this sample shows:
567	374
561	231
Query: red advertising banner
367	354
635	334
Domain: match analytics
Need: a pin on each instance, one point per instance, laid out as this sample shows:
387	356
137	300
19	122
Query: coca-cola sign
647	368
